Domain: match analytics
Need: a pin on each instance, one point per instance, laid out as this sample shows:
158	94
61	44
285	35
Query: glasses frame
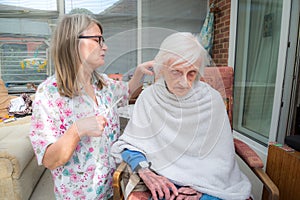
100	38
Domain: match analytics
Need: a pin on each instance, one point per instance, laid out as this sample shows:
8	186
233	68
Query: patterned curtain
206	35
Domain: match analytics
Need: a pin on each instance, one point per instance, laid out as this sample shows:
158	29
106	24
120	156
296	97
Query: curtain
206	35
260	76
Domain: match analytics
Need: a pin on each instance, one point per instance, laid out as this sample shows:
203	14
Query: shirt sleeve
43	131
133	158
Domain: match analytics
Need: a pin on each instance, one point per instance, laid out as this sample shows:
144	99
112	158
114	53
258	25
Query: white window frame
260	149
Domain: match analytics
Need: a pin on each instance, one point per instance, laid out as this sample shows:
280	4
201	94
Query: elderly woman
179	138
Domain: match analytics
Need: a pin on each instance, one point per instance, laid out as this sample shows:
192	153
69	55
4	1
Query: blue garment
133	158
208	197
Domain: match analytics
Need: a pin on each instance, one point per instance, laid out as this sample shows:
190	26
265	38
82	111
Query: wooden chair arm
250	157
118	195
268	183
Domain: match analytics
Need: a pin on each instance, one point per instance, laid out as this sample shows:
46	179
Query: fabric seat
221	79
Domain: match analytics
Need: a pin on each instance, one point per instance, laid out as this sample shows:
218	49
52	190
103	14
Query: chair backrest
221	79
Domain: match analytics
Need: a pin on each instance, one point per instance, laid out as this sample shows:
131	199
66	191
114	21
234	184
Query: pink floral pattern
88	174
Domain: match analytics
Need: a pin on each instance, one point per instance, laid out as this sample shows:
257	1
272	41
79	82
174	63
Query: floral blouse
88	173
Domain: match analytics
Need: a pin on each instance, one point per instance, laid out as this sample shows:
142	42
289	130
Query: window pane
186	15
119	23
28	4
258	40
95	7
159	22
23	51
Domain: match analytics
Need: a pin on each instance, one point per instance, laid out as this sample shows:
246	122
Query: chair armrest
268	183
250	157
118	195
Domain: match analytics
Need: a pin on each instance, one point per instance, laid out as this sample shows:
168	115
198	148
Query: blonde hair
65	52
181	48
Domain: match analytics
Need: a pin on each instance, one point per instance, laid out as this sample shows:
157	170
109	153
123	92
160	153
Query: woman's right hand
90	126
187	193
159	186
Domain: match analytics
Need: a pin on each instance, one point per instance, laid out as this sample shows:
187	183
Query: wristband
142	165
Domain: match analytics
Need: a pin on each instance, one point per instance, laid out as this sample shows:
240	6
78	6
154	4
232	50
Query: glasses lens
101	41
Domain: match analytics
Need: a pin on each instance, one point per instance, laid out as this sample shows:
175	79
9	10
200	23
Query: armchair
220	78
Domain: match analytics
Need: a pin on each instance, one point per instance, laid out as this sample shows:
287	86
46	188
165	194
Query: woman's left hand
187	193
141	70
146	68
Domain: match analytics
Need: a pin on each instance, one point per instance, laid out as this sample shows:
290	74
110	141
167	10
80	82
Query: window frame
273	135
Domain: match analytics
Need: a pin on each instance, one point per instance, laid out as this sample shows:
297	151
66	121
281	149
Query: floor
44	189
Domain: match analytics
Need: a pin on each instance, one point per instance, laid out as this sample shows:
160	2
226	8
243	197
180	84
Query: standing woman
74	120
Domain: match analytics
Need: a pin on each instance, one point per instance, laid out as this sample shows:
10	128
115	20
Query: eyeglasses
100	39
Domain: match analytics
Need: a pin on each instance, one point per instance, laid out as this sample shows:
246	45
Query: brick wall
221	32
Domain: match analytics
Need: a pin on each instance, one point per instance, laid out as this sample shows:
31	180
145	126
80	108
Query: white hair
181	48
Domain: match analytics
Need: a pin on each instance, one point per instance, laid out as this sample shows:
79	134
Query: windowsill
20	90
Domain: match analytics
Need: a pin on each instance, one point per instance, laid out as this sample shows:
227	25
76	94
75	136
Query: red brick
221	35
221	4
226	45
221	32
219	56
216	51
227	23
225	39
225	18
226	34
219	46
226	29
220	25
224	50
225	7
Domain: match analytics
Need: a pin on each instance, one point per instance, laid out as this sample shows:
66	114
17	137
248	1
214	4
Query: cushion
247	154
4	99
16	147
139	195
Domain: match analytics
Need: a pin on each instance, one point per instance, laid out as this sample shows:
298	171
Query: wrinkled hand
91	126
146	68
186	193
159	186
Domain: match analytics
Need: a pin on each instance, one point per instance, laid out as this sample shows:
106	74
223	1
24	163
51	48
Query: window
257	52
23	61
159	22
24	42
133	31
